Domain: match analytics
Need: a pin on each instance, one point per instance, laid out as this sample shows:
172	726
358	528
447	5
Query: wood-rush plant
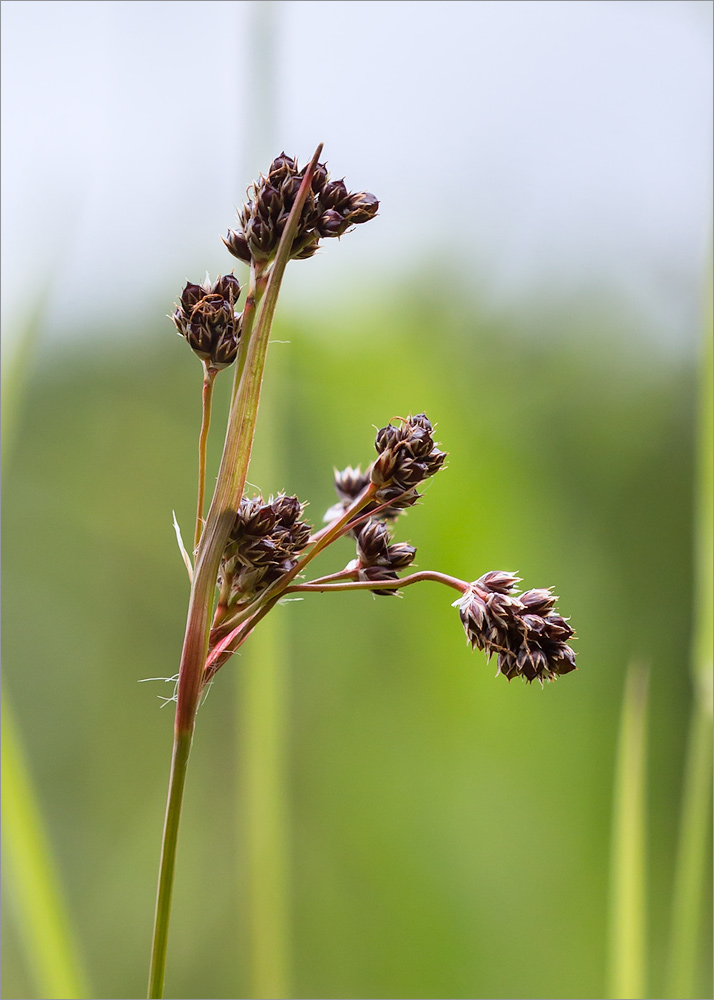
251	552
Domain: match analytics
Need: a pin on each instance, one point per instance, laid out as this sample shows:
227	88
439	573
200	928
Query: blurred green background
369	811
440	832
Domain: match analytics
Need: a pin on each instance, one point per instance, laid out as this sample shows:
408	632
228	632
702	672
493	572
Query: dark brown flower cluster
527	635
378	558
407	456
262	546
330	210
205	316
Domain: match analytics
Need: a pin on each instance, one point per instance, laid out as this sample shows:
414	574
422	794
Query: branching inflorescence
269	545
251	552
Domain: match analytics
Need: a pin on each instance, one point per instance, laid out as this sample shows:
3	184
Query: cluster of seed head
378	558
206	317
407	455
329	210
263	545
525	632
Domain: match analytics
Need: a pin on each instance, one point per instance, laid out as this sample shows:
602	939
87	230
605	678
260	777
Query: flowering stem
209	378
344	574
334	530
322	586
232	633
351	522
272	594
179	763
232	642
256	287
246	622
231	477
221	516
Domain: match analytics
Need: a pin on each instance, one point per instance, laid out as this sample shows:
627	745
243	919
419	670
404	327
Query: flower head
205	317
329	210
263	545
378	558
527	635
407	456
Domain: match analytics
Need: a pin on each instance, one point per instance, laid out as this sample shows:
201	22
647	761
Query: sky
533	150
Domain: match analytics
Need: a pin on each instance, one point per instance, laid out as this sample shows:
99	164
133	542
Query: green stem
209	378
256	288
177	780
231	477
219	521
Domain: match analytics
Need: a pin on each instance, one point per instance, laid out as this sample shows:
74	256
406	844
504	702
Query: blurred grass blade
262	727
264	808
34	892
691	866
42	920
694	841
627	945
704	524
262	712
17	362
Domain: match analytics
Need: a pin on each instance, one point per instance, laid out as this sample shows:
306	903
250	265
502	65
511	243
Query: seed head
350	483
205	317
329	210
378	558
407	456
527	635
263	544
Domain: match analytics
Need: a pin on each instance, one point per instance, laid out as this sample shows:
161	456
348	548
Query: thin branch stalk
324	587
209	377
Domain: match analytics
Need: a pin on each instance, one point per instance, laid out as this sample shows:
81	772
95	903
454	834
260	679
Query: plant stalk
231	477
272	594
324	586
221	514
177	781
244	624
209	377
256	287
